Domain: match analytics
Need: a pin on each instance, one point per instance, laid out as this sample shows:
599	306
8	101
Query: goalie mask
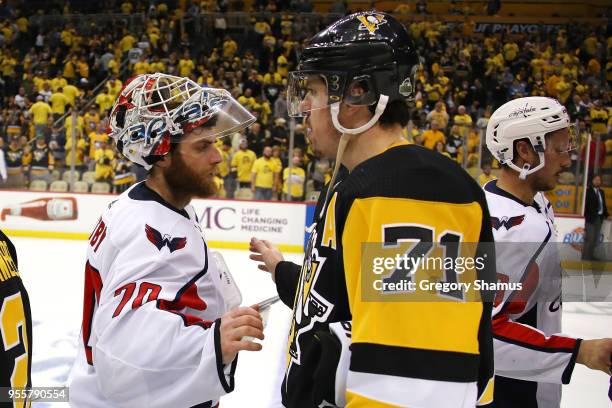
529	118
154	111
365	59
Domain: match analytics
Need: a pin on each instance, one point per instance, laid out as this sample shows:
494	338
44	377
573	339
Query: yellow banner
564	200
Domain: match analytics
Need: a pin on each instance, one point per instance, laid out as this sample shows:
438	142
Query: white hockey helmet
153	111
525	118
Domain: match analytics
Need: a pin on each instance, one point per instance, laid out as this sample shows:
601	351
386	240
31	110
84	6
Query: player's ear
353	116
524	151
164	162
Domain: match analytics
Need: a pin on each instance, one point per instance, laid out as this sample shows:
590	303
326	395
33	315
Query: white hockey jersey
531	358
150	337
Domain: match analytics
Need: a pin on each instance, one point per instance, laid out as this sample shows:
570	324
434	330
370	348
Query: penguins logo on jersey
507	222
160	241
309	306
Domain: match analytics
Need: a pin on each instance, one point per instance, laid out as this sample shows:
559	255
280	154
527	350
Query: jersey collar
492	187
141	192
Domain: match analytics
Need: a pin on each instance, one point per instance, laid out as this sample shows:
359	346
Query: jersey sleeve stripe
378	390
526	336
567	373
416	363
486	397
227	380
361	401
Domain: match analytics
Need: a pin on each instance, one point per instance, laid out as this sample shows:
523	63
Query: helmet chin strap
347	135
380	108
527	170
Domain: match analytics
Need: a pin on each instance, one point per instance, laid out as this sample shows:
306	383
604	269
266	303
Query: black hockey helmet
367	50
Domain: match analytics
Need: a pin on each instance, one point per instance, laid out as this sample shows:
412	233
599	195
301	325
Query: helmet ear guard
360	91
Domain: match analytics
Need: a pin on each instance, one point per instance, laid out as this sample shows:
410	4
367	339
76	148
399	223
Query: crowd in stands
48	72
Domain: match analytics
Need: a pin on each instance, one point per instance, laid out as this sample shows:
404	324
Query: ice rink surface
53	272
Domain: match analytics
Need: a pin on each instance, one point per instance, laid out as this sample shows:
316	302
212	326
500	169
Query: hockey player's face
557	159
194	164
319	127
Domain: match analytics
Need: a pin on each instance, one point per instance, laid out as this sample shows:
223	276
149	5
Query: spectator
486	175
440	149
595	211
80	126
247	99
229	182
113	86
432	136
599	118
256	136
242	163
280	133
58	83
72	94
40	112
454	144
21	99
58	103
230	47
104	101
462	120
272	86
14	165
278	163
96	137
438	115
104	157
262	108
79	159
297	178
186	65
91	119
280	107
42	161
264	176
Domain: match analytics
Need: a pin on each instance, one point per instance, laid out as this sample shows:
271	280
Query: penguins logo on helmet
371	22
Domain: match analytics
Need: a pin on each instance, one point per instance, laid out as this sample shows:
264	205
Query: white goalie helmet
154	111
525	118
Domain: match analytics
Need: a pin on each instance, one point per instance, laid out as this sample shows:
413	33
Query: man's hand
235	324
263	251
596	354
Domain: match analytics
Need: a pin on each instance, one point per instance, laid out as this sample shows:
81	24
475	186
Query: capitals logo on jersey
507	222
160	241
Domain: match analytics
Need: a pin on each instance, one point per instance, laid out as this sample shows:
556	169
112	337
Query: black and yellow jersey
402	353
15	324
